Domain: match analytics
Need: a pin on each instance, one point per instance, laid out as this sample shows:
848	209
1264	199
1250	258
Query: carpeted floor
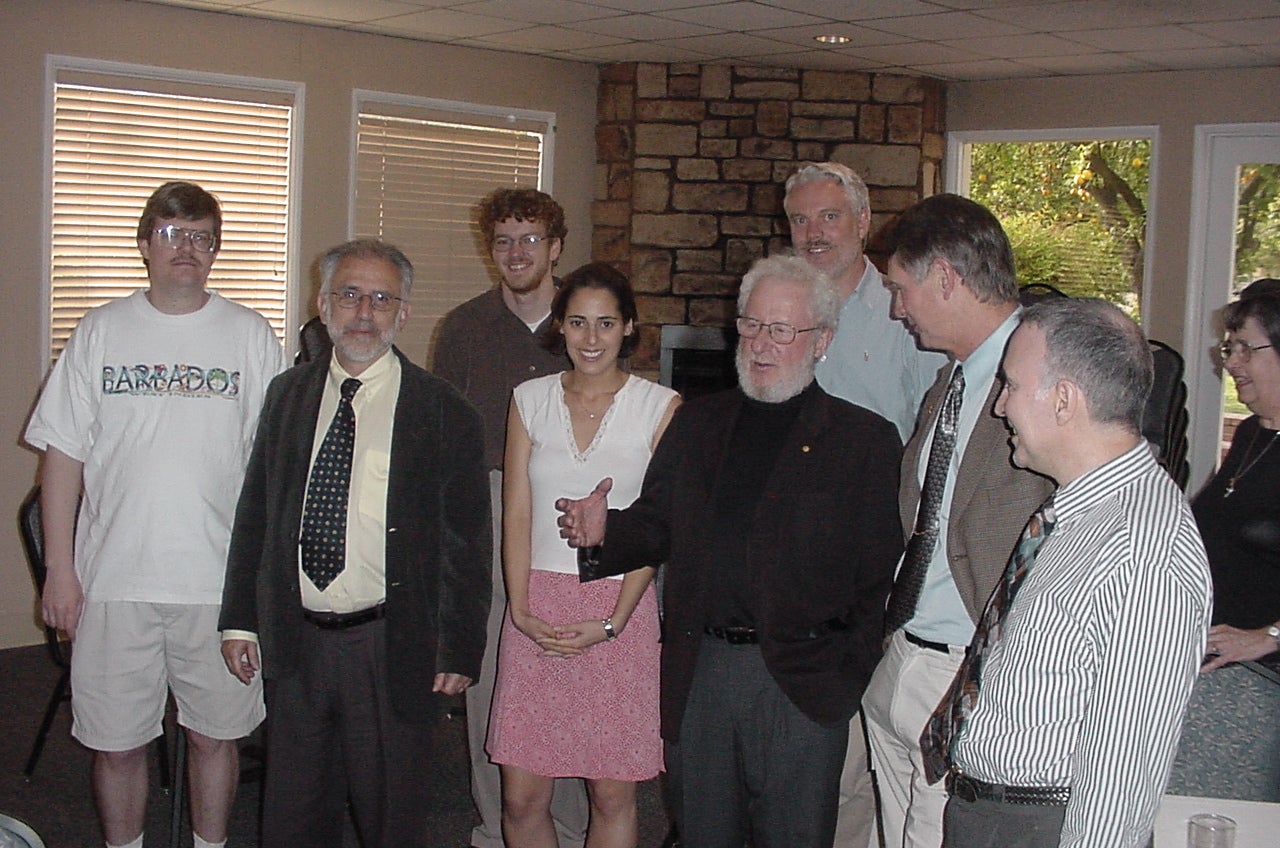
56	800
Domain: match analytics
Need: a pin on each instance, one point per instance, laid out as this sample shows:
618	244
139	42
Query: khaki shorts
128	656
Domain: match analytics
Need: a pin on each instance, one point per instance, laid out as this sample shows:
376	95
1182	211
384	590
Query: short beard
781	390
386	338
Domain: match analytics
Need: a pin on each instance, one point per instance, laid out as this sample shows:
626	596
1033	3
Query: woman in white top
577	687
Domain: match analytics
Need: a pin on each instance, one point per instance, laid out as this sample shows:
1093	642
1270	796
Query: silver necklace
1245	467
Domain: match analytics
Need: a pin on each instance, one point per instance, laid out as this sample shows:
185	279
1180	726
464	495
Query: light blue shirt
941	615
873	360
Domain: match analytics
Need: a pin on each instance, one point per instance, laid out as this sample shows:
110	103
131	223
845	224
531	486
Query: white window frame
126	73
957	175
1219	150
366	100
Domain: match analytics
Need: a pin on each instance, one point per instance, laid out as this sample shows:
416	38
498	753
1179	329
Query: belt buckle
962	786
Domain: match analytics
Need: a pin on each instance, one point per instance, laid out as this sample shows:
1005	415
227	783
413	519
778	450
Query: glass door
1235	238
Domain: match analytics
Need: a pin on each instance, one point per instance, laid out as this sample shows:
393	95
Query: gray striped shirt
1100	650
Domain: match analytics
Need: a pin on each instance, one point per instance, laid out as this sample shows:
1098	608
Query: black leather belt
344	620
940	647
734	635
971	789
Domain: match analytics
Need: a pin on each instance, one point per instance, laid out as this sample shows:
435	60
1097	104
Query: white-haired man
773	506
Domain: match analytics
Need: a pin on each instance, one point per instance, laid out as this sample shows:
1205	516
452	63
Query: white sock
137	843
200	843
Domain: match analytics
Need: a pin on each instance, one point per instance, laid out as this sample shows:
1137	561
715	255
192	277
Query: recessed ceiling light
832	39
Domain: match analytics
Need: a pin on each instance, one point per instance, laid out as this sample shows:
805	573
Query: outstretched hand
583	520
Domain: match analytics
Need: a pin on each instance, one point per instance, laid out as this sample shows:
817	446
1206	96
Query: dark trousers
749	763
333	740
993	824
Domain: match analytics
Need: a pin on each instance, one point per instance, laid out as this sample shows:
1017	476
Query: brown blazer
992	500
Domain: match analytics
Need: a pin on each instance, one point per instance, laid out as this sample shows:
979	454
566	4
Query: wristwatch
610	634
1274	632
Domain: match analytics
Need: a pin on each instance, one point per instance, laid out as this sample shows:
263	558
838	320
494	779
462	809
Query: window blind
112	147
418	182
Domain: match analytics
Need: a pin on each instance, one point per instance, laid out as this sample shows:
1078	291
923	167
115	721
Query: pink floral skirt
592	716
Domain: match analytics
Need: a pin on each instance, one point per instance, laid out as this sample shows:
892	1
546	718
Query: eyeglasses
173	237
1242	349
780	332
379	301
504	243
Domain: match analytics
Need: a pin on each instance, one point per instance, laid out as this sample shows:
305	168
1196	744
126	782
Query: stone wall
691	161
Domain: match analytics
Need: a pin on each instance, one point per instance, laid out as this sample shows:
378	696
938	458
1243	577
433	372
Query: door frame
1219	151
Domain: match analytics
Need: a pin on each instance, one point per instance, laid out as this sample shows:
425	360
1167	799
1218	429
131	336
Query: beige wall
330	62
1174	101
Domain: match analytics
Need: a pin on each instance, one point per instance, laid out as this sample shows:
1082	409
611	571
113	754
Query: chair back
32	532
1164	421
313	341
1034	292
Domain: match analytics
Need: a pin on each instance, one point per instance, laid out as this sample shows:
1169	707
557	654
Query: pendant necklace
1246	466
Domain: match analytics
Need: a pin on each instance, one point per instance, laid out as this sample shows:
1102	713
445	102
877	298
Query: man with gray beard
773	506
359	565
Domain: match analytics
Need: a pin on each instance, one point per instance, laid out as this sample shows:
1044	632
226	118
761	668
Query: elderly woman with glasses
1231	739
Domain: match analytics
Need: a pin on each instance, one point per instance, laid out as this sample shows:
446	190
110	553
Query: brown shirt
485	351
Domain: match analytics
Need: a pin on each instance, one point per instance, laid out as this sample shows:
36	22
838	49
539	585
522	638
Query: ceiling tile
741	17
541	11
535	38
1131	39
1016	46
637	52
1256	31
826	60
729	44
945	25
863	10
1061	16
988	69
447	24
644	28
344	11
1111	63
918	53
1211	57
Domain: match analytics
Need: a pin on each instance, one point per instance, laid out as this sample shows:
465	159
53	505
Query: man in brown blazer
952	277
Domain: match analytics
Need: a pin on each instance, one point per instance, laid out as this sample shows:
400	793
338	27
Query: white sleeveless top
557	469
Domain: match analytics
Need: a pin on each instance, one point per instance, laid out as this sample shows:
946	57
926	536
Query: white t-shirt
557	469
161	409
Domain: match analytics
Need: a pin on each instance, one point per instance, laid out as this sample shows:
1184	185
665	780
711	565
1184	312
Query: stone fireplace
691	161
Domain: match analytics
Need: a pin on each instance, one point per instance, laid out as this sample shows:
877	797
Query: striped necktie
324	517
956	706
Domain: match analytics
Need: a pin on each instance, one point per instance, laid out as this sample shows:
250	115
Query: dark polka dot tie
324	518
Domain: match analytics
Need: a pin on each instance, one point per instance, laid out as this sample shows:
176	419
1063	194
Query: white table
1257	824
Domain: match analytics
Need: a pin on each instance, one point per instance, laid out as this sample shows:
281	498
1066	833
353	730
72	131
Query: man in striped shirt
1080	699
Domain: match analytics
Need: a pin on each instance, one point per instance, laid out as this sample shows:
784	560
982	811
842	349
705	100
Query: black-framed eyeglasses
379	301
502	244
1240	348
173	237
780	331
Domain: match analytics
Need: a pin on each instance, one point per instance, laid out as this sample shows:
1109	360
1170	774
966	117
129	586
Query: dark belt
344	620
940	647
971	789
734	635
